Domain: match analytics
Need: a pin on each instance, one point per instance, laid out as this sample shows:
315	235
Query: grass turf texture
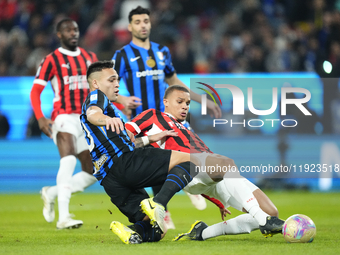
23	229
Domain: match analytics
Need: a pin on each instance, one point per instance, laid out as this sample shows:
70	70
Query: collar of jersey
184	121
69	53
169	115
136	46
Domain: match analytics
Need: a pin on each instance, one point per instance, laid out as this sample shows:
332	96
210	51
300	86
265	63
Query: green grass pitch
23	229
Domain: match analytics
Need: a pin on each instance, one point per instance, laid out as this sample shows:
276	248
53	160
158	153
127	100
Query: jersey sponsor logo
149	73
134	59
66	65
76	82
98	164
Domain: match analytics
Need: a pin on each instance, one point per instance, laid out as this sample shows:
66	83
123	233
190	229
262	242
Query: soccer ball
299	228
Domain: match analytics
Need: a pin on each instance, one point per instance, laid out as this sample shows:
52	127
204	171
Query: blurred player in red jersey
230	188
66	69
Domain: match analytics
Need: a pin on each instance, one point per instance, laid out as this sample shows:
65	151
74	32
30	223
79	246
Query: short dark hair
137	11
172	88
58	27
98	67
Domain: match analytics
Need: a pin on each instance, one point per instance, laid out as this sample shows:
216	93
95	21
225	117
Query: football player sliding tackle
124	170
228	187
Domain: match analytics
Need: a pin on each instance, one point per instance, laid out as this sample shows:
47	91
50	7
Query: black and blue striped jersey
105	145
144	72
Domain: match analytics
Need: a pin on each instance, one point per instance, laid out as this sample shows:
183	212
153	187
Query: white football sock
242	224
82	180
79	182
242	193
64	177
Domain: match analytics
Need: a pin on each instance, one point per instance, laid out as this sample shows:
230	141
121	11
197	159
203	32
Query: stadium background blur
253	38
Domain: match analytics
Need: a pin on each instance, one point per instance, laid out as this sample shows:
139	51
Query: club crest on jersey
150	62
160	55
88	63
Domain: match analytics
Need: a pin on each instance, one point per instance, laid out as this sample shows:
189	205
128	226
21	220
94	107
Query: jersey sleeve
169	69
98	98
142	122
214	200
44	73
119	65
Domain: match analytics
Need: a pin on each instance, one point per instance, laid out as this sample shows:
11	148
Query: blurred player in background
147	70
229	188
66	69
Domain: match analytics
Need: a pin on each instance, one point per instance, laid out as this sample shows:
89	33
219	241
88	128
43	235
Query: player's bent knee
178	157
190	167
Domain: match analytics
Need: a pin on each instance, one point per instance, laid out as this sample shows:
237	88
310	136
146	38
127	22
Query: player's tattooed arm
100	119
146	140
96	117
139	142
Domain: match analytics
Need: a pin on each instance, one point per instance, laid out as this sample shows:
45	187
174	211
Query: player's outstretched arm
146	140
96	117
131	102
224	211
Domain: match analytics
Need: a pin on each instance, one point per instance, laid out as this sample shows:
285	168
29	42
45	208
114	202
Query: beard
69	45
143	38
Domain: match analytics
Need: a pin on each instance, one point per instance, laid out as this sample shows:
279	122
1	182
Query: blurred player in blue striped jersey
146	68
229	187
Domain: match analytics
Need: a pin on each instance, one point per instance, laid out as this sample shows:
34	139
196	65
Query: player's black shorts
131	172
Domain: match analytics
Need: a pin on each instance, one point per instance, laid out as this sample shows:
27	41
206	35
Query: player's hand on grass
224	212
115	124
161	135
45	126
214	110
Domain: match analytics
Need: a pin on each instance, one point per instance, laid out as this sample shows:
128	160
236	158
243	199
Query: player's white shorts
70	123
203	184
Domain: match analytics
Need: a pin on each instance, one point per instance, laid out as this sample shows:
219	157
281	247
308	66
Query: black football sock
178	177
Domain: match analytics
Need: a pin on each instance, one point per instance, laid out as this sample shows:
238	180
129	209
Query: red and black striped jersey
153	121
67	72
